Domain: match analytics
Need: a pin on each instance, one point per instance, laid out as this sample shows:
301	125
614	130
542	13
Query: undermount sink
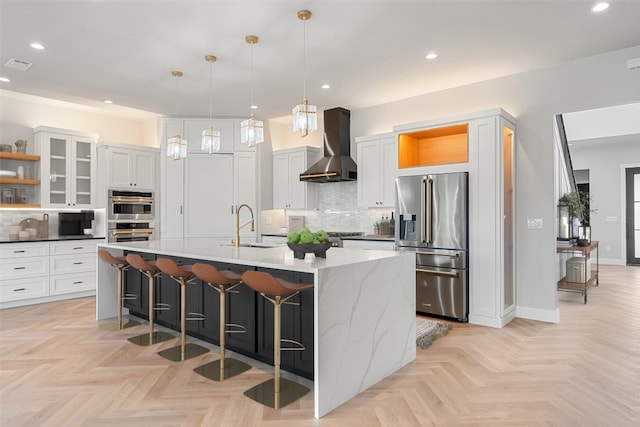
253	245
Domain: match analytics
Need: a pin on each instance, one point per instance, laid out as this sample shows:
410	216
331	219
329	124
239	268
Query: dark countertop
52	239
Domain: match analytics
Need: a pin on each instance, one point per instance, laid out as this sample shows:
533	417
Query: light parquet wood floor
58	368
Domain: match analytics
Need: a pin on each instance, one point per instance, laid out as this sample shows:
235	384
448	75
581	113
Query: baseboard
609	261
551	316
51	298
493	322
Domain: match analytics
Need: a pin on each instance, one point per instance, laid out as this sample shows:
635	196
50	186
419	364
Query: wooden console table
590	277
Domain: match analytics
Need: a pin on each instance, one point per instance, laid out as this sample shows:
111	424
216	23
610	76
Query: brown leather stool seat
221	281
121	264
184	276
149	269
276	392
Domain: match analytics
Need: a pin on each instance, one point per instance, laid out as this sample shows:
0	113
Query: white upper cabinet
67	168
191	130
199	194
132	167
288	190
377	159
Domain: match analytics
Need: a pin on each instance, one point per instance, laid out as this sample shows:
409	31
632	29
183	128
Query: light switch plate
534	223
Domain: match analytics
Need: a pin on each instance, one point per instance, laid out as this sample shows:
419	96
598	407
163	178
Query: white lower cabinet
46	271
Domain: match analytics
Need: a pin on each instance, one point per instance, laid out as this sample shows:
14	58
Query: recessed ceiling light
254	107
326	86
431	55
37	46
599	7
4	79
108	101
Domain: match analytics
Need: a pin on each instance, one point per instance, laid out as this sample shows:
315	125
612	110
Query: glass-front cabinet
68	167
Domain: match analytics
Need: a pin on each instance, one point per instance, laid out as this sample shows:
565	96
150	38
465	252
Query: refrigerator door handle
428	212
439	273
423	209
454	255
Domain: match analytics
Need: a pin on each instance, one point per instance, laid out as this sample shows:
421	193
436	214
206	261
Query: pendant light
176	146
252	130
210	137
305	119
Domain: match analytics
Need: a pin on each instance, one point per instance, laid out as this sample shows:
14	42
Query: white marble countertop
279	257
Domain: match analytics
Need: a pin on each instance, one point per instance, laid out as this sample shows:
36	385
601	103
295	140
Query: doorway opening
632	210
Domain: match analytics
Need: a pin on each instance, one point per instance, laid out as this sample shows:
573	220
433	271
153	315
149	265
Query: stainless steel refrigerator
432	221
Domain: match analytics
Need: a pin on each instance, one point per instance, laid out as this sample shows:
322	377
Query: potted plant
575	204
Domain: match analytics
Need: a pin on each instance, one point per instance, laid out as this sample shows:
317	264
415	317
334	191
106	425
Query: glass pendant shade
305	118
210	141
252	131
177	147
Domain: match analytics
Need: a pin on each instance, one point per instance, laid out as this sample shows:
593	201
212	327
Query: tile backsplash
337	211
15	216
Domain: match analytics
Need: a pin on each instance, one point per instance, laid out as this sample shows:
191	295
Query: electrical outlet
267	220
534	223
612	219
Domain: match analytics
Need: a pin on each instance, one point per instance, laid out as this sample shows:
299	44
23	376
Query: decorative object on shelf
252	130
210	137
6	148
305	119
573	210
301	249
21	146
176	146
584	235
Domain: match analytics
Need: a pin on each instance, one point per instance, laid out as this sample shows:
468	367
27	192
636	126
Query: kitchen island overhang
364	307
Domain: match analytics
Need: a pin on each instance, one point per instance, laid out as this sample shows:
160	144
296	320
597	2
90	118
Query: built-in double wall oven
131	216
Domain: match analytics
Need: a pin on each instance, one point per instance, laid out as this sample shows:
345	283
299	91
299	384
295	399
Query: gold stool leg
277	392
185	350
223	368
120	323
153	337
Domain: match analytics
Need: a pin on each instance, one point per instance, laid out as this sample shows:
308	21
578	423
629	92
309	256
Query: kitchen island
364	307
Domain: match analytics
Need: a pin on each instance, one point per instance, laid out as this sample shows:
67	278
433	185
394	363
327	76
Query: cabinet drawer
68	283
24	267
75	247
14	290
64	264
21	250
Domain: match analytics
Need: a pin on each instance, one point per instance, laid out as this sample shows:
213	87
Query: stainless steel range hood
337	164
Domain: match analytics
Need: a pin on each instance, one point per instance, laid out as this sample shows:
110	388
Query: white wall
20	113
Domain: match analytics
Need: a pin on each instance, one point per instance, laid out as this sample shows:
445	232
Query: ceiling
370	52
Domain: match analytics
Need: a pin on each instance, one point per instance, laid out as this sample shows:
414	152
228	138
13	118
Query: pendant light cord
304	59
251	106
211	94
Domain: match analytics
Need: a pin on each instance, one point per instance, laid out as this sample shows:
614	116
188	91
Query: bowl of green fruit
304	242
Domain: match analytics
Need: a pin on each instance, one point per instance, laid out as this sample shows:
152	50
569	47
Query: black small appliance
74	223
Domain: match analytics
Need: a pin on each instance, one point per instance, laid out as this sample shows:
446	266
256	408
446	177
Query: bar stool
277	392
221	281
121	264
149	269
183	275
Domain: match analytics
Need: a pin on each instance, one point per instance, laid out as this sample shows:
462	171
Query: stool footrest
162	306
240	329
129	296
195	316
298	345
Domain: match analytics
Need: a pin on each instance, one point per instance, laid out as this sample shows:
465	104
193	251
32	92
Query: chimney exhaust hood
337	164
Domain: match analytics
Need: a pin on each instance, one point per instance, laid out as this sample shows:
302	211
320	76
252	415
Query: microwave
127	205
